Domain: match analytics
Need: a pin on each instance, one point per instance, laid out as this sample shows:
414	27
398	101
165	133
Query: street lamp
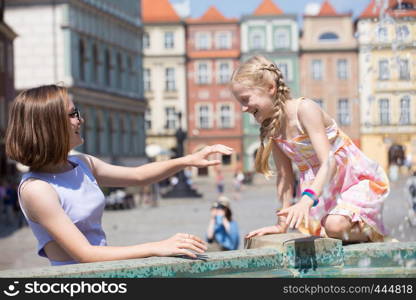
182	189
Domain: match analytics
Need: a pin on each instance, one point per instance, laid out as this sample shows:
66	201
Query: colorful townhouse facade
164	63
274	34
213	115
387	78
329	66
93	48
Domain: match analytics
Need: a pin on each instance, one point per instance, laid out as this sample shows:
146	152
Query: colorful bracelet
311	194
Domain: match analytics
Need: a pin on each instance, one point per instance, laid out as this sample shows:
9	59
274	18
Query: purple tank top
81	199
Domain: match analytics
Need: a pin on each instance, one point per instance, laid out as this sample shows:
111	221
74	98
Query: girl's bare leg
341	227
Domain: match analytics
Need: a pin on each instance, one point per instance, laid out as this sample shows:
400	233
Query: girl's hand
180	244
297	213
200	158
266	230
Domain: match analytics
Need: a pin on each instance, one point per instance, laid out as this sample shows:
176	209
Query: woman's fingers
300	219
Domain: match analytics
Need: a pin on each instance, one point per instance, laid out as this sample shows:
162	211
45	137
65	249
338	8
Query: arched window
81	50
328	36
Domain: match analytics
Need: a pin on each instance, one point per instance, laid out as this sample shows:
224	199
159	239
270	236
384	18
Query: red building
213	115
7	92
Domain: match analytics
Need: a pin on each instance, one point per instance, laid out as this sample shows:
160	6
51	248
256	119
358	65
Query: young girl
342	191
60	196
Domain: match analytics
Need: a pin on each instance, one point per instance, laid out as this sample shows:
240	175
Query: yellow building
387	85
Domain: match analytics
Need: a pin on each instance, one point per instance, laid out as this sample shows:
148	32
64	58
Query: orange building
329	66
213	115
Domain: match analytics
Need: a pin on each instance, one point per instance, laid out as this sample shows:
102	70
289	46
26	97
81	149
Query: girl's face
255	100
75	121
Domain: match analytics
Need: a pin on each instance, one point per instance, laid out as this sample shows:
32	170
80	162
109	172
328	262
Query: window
343	112
107	68
328	37
147	80
2	57
130	73
382	34
224	72
257	40
384	111
202	73
281	39
170	79
148	119
404	73
81	66
405	110
225	116
383	69
120	70
320	102
402	32
146	40
169	40
171	117
317	69
204	117
95	63
283	67
342	69
202	41
10	59
224	40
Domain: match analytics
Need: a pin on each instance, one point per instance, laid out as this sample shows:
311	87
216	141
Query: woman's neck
57	168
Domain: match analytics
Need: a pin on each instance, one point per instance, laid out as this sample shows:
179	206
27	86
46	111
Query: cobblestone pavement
145	224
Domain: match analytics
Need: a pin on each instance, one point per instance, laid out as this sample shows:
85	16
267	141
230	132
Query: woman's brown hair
38	129
258	71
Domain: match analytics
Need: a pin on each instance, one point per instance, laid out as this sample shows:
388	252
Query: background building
7	92
164	73
271	33
387	84
213	52
329	67
94	48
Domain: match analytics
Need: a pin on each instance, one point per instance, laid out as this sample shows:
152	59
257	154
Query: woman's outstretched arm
119	176
41	204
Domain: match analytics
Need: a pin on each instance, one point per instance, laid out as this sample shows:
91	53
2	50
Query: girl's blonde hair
38	129
258	71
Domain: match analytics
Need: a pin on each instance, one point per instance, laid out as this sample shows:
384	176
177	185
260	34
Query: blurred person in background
222	232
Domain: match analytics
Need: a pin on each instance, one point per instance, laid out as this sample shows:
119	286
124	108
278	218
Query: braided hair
258	71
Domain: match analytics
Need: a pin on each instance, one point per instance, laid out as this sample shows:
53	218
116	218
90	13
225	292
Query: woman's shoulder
83	158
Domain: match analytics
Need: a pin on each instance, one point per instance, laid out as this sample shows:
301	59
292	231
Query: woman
60	196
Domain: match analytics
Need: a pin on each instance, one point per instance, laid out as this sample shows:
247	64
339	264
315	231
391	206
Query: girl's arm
118	176
311	117
41	203
284	187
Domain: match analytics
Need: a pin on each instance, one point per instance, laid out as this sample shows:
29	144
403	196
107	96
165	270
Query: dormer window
328	37
403	5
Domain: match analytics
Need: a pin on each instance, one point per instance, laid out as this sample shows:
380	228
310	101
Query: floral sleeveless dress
357	190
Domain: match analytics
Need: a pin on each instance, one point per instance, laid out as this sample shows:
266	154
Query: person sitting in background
222	232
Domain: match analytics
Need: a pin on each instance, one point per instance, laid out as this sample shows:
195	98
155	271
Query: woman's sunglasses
75	114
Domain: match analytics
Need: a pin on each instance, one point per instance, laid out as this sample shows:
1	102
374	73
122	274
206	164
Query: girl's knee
336	226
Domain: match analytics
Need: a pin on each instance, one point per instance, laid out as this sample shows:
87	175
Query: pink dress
357	190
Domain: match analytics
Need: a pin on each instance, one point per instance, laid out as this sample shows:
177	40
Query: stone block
301	251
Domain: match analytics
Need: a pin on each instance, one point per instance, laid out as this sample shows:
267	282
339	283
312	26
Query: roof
157	11
373	9
267	7
327	10
212	15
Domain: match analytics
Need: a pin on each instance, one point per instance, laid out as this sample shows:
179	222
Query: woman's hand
180	244
297	213
266	230
200	158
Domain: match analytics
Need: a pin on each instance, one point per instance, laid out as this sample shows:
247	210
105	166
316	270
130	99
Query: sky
238	8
